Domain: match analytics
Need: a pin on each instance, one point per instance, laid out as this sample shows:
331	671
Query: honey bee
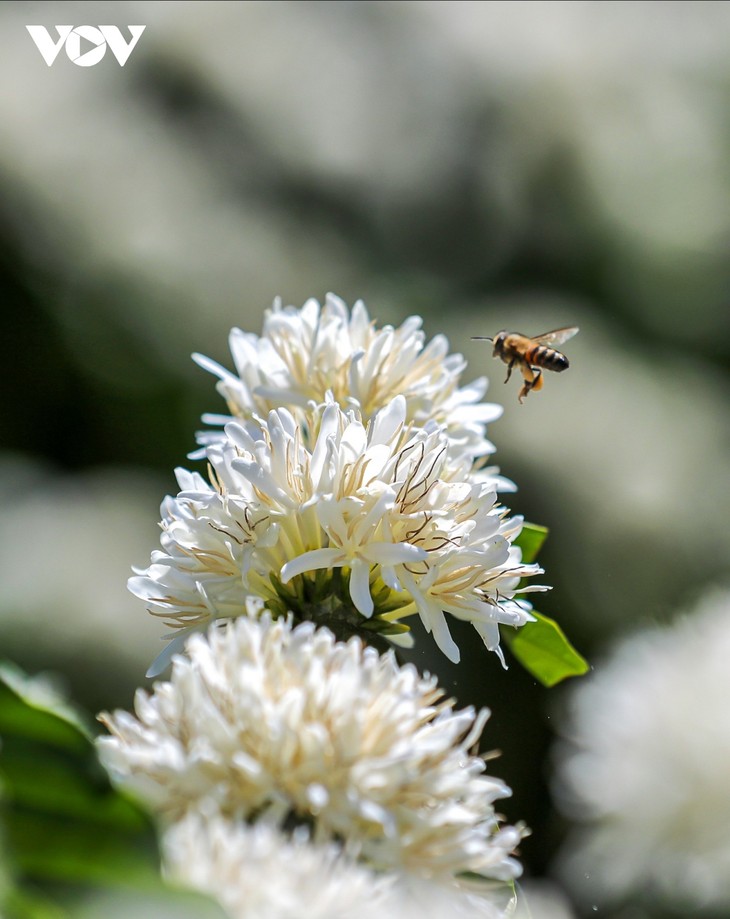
531	355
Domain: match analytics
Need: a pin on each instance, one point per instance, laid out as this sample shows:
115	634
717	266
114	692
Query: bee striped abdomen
549	358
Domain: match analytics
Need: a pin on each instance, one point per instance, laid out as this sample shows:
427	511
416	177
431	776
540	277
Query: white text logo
85	45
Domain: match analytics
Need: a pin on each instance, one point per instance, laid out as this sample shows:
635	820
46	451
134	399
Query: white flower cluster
262	717
306	354
261	872
265	725
347	507
258	872
647	767
293	772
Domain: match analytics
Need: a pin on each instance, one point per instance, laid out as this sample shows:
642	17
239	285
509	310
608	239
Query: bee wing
557	336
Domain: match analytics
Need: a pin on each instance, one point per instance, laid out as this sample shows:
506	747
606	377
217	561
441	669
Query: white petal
442	636
215	368
174	646
386	423
309	561
360	587
389	553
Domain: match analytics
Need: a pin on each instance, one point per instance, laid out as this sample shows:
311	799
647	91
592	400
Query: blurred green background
487	165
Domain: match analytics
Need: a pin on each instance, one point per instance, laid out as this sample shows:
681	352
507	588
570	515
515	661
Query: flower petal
312	560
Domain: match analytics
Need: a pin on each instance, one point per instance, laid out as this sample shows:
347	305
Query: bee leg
509	370
533	380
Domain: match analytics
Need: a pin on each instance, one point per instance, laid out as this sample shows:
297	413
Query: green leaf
541	646
50	848
530	540
61	818
19	904
71	788
542	649
66	835
33	708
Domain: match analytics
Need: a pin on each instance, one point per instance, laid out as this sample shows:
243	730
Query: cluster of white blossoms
358	500
306	355
264	723
263	717
646	767
260	872
294	769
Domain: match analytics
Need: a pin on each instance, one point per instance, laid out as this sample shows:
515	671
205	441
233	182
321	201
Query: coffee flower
359	529
264	719
258	872
647	767
304	354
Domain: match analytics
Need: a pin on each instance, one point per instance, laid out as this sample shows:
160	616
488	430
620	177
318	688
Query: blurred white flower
257	872
365	527
262	718
306	355
648	766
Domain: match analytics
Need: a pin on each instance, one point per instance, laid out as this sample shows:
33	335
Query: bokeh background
488	165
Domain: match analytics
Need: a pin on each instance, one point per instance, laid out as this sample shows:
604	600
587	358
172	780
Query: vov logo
85	45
